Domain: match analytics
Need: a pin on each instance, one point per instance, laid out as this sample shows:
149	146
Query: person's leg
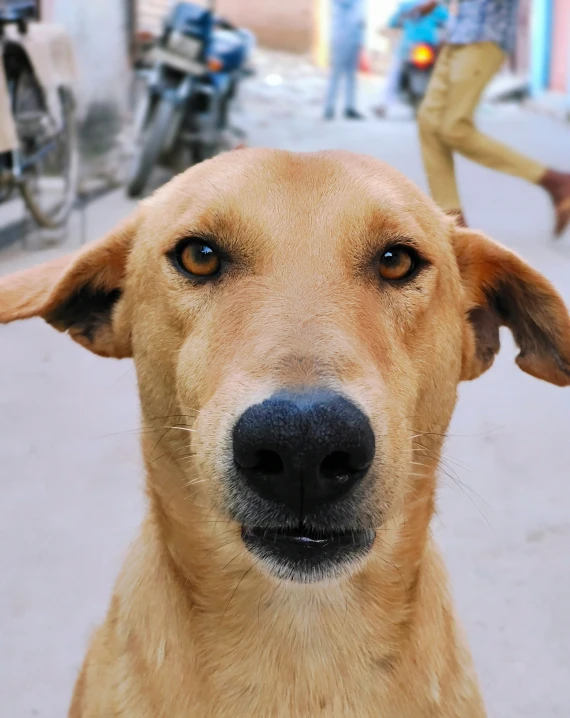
353	57
471	69
437	156
557	184
332	92
390	92
350	98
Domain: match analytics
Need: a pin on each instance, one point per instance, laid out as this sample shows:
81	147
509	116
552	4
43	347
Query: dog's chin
307	556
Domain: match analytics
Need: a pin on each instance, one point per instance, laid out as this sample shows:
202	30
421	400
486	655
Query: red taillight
422	56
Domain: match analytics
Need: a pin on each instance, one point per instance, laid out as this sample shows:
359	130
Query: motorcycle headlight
189	47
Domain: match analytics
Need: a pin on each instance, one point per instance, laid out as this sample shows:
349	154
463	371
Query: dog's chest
306	665
297	688
318	701
292	701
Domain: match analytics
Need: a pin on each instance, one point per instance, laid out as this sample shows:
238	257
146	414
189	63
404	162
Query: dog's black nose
303	450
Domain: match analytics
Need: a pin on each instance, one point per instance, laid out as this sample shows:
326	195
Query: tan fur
196	627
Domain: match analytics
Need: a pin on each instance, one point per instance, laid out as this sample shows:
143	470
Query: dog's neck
235	600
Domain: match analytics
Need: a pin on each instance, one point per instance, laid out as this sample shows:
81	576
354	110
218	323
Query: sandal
562	216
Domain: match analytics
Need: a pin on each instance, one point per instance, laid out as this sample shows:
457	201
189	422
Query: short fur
196	627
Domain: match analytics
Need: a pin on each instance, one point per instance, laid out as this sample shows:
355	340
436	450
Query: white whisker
196	481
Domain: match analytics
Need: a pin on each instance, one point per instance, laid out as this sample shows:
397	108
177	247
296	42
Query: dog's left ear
501	289
79	293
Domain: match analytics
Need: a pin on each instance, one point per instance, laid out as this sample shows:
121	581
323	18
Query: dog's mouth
307	555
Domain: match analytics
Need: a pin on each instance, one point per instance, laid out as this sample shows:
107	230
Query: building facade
550	51
300	26
282	26
559	75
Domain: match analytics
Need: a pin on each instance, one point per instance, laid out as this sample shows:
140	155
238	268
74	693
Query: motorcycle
197	66
417	72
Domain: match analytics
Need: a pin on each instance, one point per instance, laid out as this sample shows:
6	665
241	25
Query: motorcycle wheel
415	102
201	150
150	146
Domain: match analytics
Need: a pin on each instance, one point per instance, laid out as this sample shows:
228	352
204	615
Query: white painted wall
379	12
98	29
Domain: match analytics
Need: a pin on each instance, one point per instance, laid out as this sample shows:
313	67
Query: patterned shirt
485	21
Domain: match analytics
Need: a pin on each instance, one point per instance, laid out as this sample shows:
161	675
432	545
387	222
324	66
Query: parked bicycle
38	152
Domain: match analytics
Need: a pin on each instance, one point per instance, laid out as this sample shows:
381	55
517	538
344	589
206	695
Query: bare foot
557	184
459	217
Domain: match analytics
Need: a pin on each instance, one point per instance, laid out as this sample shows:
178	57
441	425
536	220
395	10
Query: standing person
418	27
346	42
480	38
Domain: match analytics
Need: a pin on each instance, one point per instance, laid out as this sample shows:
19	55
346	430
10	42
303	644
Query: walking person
346	43
417	27
479	39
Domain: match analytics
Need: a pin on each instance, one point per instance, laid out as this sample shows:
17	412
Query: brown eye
199	259
397	263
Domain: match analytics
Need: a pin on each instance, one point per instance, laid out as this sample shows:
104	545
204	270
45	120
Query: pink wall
560	45
281	25
46	8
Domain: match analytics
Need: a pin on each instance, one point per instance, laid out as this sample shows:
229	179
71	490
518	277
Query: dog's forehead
271	193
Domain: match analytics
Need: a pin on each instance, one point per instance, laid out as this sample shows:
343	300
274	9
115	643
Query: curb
17	230
545	109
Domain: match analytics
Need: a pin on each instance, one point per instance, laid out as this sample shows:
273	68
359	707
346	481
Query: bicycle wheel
49	160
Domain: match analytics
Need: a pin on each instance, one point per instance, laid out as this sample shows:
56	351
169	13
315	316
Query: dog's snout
303	449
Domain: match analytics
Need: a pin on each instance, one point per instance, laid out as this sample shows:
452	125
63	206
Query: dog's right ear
79	293
502	290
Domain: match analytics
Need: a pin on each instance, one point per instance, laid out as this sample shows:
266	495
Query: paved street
71	482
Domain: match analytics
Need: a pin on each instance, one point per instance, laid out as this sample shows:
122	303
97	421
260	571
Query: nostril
268	462
337	465
317	440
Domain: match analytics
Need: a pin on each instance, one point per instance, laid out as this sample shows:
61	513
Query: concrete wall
280	25
99	32
98	29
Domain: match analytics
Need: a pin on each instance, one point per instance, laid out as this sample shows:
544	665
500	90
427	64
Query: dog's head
302	321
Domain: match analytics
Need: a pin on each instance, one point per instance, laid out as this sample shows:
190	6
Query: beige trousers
446	122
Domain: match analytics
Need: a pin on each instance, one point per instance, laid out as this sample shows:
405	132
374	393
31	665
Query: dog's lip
308	538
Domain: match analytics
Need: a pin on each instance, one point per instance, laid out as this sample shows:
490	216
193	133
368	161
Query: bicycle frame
40	139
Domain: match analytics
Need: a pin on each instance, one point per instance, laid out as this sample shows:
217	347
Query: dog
299	324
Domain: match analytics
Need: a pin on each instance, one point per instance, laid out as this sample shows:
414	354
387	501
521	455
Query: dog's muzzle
301	460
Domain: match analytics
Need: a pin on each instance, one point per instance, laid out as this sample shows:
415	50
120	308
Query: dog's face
304	321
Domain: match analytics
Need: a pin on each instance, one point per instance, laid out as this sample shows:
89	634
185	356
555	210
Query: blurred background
102	101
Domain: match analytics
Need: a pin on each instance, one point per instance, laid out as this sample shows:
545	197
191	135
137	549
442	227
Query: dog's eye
397	263
198	259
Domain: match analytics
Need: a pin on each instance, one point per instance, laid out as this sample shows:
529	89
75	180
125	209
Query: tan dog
302	322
